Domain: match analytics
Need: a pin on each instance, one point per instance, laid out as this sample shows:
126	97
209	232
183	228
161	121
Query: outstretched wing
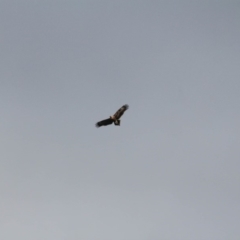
104	122
120	111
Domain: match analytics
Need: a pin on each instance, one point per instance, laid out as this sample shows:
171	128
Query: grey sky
171	171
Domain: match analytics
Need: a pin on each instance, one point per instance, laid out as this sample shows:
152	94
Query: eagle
114	118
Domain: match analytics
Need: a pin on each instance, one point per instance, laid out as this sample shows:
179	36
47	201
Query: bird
114	118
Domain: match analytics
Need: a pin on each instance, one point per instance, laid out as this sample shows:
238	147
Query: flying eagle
113	119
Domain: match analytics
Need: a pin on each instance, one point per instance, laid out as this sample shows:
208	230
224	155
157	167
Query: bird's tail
117	122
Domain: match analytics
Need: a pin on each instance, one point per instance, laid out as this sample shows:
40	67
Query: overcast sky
170	171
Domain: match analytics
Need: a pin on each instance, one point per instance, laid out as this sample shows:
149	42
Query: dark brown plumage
113	119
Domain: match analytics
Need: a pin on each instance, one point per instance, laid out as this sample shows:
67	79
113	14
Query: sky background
170	171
